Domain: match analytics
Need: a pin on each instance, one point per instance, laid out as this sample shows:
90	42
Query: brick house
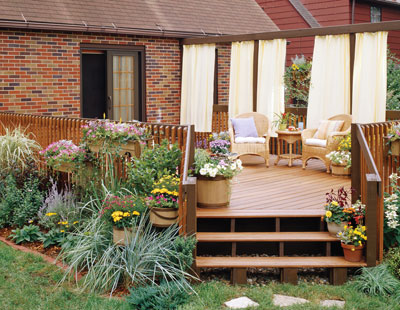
296	14
118	58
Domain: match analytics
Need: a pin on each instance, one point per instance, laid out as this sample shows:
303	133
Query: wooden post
255	75
371	220
289	275
352	56
356	163
338	276
239	276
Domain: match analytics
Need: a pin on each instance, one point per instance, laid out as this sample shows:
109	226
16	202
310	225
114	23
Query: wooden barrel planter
163	217
213	192
340	170
120	235
132	148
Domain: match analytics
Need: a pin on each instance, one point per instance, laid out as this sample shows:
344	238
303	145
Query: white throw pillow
249	140
316	142
326	127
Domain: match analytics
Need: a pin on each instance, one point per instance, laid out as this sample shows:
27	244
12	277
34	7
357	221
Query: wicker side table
290	137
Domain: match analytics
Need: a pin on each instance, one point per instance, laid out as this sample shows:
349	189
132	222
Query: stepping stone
333	303
285	301
240	303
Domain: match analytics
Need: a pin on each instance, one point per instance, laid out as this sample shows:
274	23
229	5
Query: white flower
213	172
391	215
203	171
233	166
393	177
206	166
393	224
239	164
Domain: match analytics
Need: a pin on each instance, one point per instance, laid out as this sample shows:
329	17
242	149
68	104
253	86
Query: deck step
276	262
317	236
235	213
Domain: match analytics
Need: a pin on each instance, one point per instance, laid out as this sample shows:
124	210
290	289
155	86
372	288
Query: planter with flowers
393	138
220	143
123	214
121	138
282	120
163	201
352	241
65	156
341	159
214	179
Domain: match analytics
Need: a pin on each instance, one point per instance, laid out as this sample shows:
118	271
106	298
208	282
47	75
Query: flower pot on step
121	236
213	192
341	170
352	253
163	217
334	228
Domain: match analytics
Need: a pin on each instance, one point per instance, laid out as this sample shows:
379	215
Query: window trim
114	47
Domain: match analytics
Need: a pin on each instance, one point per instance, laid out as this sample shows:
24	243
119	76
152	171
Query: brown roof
180	16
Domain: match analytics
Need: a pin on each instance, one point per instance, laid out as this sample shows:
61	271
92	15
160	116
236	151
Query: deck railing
48	129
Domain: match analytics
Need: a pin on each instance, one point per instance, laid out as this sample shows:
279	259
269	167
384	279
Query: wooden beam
221	108
298	33
352	56
338	276
239	276
356	164
289	275
255	75
371	220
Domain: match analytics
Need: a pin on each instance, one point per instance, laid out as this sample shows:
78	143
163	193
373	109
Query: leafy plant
16	149
166	296
377	281
393	261
184	246
151	166
29	233
53	237
208	166
283	118
393	82
391	204
340	158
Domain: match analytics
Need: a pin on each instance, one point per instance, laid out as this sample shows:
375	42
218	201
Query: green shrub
166	296
152	165
377	281
184	247
53	237
393	261
29	233
393	82
11	198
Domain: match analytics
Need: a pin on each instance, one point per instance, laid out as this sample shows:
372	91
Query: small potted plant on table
214	175
352	241
282	120
163	201
120	138
123	214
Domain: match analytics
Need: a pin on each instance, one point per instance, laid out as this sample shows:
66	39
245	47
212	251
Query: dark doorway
94	89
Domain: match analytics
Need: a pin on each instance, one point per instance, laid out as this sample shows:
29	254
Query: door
123	86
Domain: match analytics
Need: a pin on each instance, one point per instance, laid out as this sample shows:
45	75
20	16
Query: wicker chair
263	129
320	152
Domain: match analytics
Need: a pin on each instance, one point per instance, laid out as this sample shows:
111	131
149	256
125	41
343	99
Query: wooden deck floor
281	189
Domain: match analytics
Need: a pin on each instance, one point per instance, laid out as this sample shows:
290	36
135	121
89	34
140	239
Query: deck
279	190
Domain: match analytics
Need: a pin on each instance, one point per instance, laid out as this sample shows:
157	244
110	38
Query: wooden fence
48	129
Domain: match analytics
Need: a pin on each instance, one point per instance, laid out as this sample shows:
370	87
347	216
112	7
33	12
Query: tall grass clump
17	149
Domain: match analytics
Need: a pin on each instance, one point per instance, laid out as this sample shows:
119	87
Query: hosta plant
52	237
29	233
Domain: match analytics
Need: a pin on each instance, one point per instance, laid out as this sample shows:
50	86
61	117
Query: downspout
352	11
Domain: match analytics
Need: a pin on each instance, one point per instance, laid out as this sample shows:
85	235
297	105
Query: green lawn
27	282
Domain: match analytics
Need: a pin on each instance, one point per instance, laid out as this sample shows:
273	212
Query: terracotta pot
65	167
339	170
395	148
352	253
334	228
163	217
213	192
282	126
121	236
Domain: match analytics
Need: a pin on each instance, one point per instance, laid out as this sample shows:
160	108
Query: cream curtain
369	80
198	86
270	86
241	78
330	79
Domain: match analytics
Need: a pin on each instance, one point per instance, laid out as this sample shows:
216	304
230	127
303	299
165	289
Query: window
376	14
112	82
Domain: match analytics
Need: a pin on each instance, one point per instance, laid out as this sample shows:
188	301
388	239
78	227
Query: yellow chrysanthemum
328	214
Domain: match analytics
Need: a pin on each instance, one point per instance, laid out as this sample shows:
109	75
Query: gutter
101	29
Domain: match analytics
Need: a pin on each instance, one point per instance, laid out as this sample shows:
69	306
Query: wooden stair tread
276	262
235	213
316	236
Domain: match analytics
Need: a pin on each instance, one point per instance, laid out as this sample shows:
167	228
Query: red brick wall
224	65
40	72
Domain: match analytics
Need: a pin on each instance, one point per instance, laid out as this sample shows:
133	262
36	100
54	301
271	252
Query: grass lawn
27	282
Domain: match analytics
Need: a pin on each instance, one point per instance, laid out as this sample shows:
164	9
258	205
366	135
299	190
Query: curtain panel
197	93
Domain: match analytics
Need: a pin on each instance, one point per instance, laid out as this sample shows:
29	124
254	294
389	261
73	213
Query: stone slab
240	303
285	301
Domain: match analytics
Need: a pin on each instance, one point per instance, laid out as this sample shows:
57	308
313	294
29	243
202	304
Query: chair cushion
316	142
249	140
326	127
244	127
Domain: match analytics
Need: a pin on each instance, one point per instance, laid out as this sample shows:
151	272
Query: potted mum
123	214
282	120
121	138
337	212
341	159
64	156
163	201
214	176
220	143
352	241
394	139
